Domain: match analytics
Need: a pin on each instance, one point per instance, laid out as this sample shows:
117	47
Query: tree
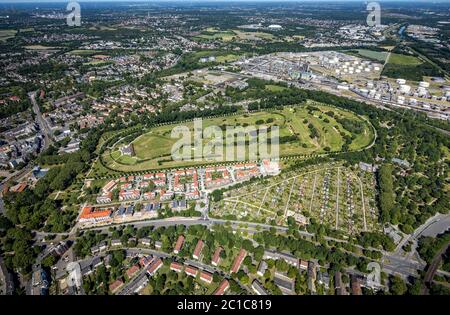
397	285
49	261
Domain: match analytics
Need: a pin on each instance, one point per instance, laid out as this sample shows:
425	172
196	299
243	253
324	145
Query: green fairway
306	130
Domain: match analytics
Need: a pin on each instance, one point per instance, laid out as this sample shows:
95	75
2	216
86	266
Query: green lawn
399	59
372	54
274	88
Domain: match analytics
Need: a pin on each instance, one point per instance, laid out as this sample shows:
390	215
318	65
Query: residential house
179	244
198	249
223	287
216	257
238	261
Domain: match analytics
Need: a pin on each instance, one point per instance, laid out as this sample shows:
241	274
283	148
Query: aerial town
353	199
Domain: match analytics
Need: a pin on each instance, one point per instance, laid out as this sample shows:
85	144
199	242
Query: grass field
237	35
372	54
274	88
7	34
227	58
399	59
153	148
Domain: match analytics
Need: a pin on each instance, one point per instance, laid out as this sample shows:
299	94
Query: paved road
41	122
438	225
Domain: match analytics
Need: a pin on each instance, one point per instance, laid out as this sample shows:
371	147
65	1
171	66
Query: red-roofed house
132	271
109	186
176	267
179	244
198	249
206	276
148	176
113	287
154	266
223	287
216	257
129	194
238	260
191	271
89	214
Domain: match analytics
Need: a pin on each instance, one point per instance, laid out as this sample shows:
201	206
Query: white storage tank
405	88
424	84
422	91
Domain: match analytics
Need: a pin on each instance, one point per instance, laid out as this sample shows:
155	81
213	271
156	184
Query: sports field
306	130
